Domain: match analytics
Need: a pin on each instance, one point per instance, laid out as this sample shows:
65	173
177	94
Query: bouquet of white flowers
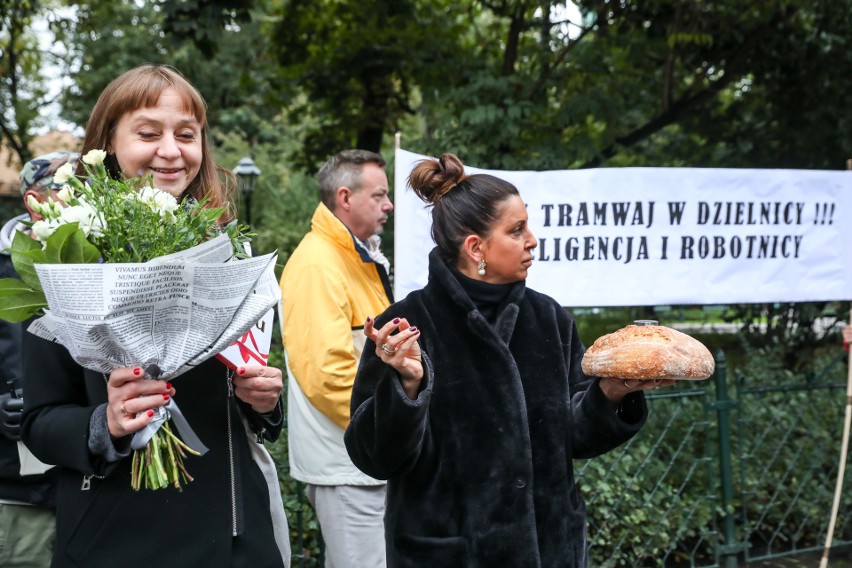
117	269
103	220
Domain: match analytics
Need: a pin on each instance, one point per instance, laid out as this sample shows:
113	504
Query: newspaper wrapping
175	311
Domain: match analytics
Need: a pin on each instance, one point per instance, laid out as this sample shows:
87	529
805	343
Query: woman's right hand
400	350
132	398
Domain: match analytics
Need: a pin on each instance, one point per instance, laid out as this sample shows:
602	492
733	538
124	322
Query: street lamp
247	174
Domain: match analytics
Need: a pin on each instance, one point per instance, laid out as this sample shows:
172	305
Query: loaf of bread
648	352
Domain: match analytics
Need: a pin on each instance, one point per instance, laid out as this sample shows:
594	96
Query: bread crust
648	352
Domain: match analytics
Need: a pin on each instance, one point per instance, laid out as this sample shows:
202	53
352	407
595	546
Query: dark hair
141	87
461	205
344	169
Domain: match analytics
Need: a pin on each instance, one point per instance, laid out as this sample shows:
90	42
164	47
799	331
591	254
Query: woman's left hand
616	389
396	345
258	386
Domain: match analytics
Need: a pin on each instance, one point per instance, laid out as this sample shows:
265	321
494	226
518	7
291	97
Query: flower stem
160	464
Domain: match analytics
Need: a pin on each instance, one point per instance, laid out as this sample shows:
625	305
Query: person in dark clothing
152	122
27	502
470	398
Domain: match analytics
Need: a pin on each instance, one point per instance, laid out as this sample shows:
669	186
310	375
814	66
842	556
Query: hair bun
432	179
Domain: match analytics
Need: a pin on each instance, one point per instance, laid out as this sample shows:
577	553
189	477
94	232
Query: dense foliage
506	84
23	90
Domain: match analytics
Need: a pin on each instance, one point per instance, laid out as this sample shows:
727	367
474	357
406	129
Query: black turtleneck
490	299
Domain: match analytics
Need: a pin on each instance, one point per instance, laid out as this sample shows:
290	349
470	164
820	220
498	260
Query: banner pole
844	448
841	471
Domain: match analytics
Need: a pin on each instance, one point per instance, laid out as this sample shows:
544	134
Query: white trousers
351	518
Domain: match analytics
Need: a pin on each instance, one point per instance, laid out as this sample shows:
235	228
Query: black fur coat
480	464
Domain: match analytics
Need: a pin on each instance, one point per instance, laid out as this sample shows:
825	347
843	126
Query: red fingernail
395	320
412	328
150	413
241	371
137	371
369	319
165	396
169	386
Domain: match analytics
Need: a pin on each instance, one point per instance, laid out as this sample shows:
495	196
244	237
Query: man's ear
344	194
40	197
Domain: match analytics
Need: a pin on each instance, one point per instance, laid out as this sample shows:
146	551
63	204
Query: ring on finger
387	349
123	410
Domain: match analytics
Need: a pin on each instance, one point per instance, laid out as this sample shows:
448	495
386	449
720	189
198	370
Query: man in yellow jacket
333	281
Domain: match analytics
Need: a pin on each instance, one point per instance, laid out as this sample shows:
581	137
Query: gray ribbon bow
163	413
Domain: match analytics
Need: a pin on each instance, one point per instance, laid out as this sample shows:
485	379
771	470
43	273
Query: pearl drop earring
480	267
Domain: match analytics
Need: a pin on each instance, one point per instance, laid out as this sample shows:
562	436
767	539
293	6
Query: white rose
63	174
65	194
86	216
158	200
94	157
45	228
97	224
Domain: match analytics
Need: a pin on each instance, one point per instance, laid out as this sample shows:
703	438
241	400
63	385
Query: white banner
656	236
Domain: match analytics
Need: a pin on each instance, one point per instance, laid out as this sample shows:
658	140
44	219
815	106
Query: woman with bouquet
152	122
470	398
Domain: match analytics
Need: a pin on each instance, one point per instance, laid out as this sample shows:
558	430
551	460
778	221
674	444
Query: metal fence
651	502
792	431
726	472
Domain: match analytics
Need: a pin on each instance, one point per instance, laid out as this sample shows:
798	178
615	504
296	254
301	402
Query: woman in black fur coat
470	399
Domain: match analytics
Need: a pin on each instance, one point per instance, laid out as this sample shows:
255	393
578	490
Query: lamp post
247	174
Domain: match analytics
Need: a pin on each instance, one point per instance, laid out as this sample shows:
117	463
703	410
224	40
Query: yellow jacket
329	287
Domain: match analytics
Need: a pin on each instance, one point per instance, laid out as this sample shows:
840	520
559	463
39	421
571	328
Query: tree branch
688	103
547	71
510	55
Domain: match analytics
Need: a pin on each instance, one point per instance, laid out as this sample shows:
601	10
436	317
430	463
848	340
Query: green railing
718	481
710	481
793	430
651	502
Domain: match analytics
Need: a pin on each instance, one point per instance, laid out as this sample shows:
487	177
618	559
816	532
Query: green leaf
25	251
68	245
78	250
18	301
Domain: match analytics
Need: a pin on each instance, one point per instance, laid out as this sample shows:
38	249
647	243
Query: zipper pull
87	483
230	376
259	436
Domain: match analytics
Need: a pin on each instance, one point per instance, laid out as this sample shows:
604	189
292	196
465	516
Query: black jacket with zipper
101	521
